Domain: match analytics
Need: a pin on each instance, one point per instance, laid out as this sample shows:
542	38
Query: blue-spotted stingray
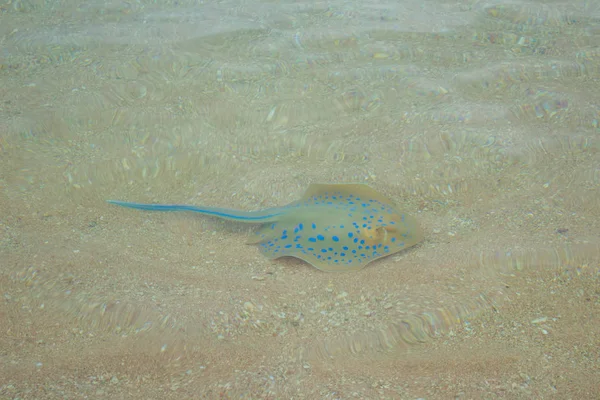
333	227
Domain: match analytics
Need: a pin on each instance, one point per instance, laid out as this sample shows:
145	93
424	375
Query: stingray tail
262	216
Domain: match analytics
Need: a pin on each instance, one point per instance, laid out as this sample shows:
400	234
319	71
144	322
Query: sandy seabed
479	118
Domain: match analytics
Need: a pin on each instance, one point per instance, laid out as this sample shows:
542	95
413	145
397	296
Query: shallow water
479	118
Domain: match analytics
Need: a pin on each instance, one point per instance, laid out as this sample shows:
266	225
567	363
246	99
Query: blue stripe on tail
266	215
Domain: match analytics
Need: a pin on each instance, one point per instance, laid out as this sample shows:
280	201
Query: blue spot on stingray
312	239
350	234
288	246
314	226
393	239
335	238
345	247
320	237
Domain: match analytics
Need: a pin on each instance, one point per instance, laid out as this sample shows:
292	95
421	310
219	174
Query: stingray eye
381	234
390	229
388	233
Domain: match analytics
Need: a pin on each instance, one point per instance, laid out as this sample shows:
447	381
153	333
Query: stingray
333	227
